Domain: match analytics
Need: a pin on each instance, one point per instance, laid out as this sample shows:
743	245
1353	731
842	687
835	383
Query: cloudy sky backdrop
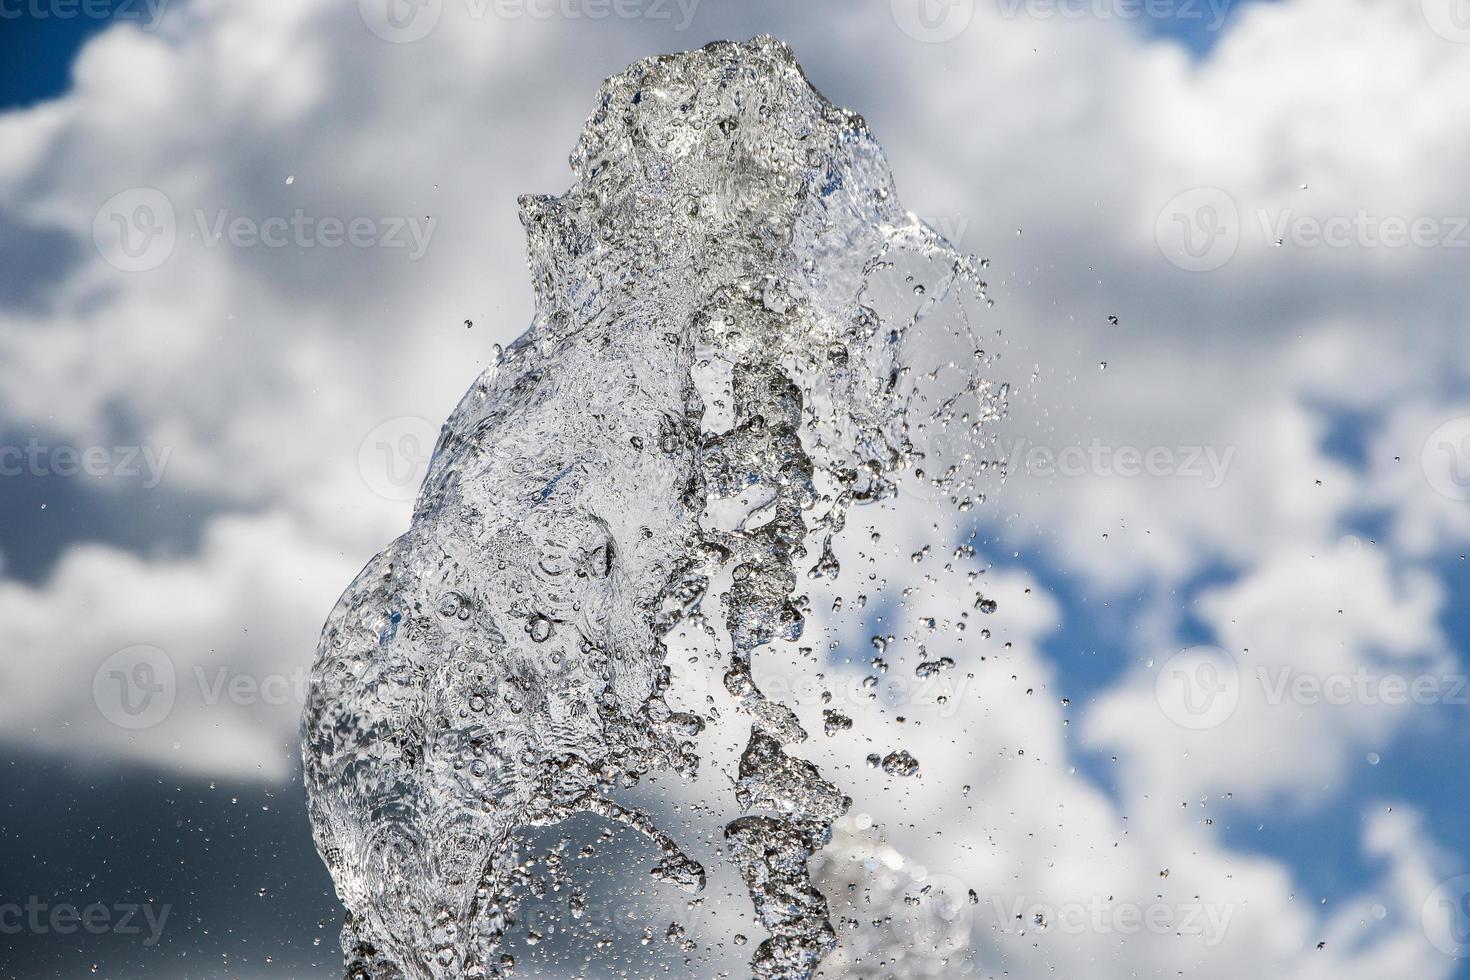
252	253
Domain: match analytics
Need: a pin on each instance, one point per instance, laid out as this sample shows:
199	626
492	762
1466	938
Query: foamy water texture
739	334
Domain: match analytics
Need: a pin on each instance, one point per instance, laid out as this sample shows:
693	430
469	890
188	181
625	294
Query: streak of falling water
739	334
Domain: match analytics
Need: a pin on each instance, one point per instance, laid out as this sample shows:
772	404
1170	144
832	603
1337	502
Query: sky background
1222	180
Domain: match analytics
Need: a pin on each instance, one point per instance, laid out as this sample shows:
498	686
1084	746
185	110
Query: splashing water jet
739	334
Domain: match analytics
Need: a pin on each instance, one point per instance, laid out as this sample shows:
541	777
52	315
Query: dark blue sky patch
1423	768
234	864
40	38
56	493
1196	24
1349	432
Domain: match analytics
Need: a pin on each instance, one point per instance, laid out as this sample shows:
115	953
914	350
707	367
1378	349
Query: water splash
903	922
739	334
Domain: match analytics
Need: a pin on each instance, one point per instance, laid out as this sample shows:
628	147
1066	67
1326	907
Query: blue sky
38	50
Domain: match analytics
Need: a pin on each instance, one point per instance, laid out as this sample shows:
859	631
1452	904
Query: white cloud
1326	650
229	633
1001	808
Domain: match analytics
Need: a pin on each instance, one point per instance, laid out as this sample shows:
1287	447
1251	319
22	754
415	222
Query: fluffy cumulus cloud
193	664
1325	654
1066	877
285	240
